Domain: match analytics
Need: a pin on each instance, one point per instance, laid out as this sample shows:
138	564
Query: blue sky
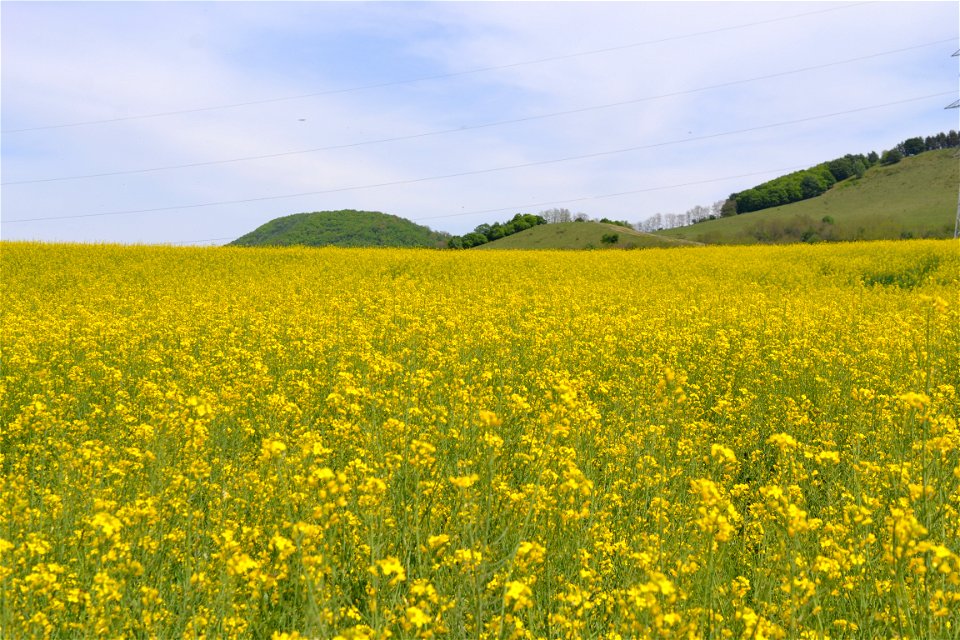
78	62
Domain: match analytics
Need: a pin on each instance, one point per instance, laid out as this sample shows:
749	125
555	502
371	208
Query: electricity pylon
956	105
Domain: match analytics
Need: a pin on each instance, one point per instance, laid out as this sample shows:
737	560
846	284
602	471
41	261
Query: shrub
610	238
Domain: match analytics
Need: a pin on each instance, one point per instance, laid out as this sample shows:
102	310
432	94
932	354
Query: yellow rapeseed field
330	443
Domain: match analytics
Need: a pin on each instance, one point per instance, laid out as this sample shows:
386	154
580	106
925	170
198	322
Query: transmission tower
956	105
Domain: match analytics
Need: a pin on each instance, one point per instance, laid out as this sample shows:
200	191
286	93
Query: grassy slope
914	198
579	235
347	228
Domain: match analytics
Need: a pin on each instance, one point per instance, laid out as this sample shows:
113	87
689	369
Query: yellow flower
832	456
437	541
107	523
740	586
241	563
489	419
722	454
914	400
390	566
417	617
517	595
706	490
284	546
271	448
464	482
531	551
472	440
467	558
784	441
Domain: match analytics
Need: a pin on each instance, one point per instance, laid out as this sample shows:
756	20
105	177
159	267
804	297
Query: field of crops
742	442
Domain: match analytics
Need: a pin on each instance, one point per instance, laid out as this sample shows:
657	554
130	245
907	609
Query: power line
482	171
477	126
611	195
434	77
568	200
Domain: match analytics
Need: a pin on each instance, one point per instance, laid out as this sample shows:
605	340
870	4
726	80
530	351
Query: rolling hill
914	198
581	235
346	228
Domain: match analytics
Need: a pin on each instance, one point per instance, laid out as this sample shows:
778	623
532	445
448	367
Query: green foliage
485	233
846	167
610	238
913	146
345	228
729	207
916	197
892	156
810	183
792	187
811	186
619	223
917	145
859	168
582	235
799	228
473	239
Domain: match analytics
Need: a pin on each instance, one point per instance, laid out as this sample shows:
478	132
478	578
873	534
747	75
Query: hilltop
345	228
913	198
582	235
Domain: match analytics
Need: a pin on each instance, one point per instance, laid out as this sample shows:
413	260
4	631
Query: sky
451	114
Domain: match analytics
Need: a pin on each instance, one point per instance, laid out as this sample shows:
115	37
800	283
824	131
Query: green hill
914	198
346	228
581	235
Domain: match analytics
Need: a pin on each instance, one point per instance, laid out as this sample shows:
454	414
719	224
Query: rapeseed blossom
366	444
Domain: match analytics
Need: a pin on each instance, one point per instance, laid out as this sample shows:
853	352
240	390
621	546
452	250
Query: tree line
485	233
793	187
693	215
799	185
809	183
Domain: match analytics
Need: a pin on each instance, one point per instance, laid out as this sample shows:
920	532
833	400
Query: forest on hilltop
809	183
344	228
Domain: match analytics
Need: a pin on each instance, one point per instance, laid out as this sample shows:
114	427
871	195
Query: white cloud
76	61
